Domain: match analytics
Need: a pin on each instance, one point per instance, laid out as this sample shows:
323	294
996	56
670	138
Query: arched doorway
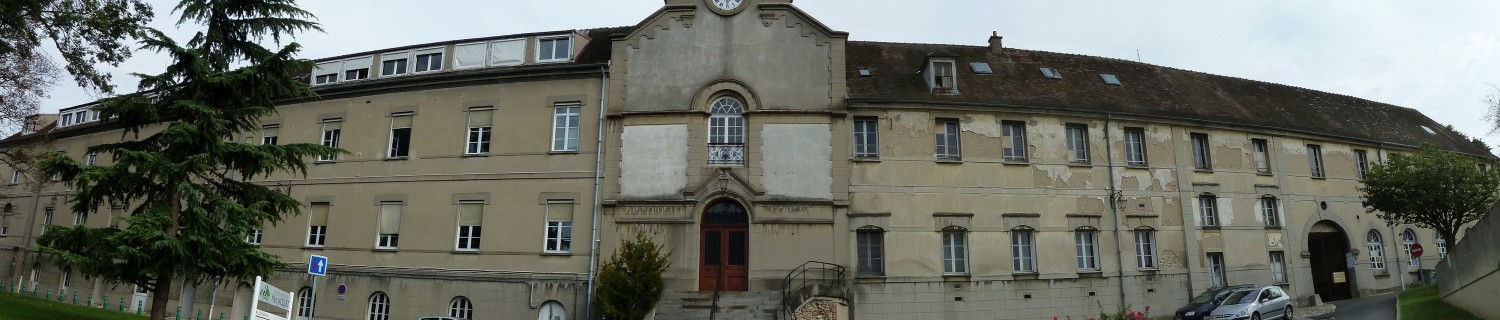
725	244
1328	249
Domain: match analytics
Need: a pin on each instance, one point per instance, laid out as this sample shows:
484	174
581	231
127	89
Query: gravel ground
1314	312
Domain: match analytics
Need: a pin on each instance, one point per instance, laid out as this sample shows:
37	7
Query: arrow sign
1416	250
317	265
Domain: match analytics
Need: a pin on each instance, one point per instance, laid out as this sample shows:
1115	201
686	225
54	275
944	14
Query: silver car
1255	304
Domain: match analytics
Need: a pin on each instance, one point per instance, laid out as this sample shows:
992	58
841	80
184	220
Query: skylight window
1051	73
1429	130
980	67
1109	79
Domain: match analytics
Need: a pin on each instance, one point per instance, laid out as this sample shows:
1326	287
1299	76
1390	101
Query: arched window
552	311
380	307
305	303
1408	238
461	308
870	247
955	250
1377	256
726	131
1023	249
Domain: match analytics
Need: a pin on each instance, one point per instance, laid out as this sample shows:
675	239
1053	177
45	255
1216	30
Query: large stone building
757	144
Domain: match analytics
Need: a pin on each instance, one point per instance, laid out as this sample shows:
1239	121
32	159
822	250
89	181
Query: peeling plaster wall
653	161
796	161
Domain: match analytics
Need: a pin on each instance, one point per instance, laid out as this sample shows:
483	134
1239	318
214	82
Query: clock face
727	4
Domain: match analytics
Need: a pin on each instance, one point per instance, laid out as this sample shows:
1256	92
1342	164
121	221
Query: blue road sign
318	265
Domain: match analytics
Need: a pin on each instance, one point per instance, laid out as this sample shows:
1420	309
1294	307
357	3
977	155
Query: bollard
106	302
91	301
200	315
2	287
221	315
75	298
179	313
139	306
49	294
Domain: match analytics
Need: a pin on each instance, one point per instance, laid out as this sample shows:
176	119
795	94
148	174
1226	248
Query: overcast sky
1439	57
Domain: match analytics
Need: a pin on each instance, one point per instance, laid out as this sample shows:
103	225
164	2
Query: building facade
950	181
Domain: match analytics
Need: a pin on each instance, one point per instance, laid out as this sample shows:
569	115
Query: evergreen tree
179	163
630	283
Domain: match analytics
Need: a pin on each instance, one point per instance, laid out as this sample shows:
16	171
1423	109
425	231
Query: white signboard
274	296
263	315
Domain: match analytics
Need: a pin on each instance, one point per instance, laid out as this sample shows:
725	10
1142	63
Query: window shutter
507	52
319	214
330	125
560	211
390	217
326	68
401	121
269	132
358	63
470	214
481	118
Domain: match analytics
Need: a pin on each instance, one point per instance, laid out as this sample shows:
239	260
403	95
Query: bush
630	283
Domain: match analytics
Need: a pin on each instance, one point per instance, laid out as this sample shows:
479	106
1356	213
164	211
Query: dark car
1204	303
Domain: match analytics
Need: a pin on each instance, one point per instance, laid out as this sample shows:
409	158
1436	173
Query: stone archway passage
1328	248
725	246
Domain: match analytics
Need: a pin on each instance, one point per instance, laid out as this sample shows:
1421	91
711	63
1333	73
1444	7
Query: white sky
1439	57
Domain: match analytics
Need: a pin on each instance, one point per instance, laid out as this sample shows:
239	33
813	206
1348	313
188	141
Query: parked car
1200	306
1264	303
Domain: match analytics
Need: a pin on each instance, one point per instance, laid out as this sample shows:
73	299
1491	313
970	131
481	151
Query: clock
726	7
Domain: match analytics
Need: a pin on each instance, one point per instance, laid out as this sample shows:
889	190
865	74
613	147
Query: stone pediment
723	182
684	16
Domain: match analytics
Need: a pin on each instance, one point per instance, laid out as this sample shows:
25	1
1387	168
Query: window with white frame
1269	209
1201	158
269	133
1086	249
400	145
941	80
305	303
1023	250
726	131
461	308
47	216
565	117
470	225
92	158
1262	154
553	49
80	218
478	139
15	176
357	74
470	55
332	129
1442	245
508	52
866	137
429	60
947	140
1208	209
4	224
1078	142
1014	138
67	280
955	251
317	224
1361	163
1315	160
559	235
1216	276
116	213
380	307
1278	267
1409	238
552	310
326	72
394	63
255	236
1145	248
1135	147
870	248
389	234
1377	250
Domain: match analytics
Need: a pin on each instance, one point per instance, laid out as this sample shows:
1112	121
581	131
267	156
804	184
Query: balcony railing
726	153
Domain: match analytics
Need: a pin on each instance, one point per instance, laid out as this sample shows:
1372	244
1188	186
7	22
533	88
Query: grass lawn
1423	303
18	307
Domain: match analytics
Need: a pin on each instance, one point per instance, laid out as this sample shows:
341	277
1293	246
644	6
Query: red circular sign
1416	249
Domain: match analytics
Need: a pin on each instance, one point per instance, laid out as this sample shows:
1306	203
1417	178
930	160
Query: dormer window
553	49
940	76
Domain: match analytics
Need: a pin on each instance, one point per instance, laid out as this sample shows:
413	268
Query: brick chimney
995	46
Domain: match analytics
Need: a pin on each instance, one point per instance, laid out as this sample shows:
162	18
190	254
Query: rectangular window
1362	163
357	68
1136	146
470	225
1145	249
115	214
866	138
1216	269
393	67
559	227
4	224
255	236
356	74
1442	247
1377	255
554	49
1262	155
317	224
1023	251
1201	159
955	253
80	218
400	146
1315	160
1078	143
1086	246
331	131
1268	209
565	127
508	52
268	134
326	78
390	225
478	139
942	80
430	61
1206	206
91	158
15	176
870	245
1278	267
947	139
47	217
1014	138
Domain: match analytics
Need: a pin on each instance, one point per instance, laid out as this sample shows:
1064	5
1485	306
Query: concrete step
757	305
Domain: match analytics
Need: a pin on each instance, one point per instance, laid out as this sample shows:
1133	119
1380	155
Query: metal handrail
828	274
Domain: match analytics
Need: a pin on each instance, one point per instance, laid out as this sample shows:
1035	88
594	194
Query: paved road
1377	307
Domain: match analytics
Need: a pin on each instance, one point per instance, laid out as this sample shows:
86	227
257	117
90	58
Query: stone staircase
757	305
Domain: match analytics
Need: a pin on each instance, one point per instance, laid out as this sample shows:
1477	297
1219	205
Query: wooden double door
724	241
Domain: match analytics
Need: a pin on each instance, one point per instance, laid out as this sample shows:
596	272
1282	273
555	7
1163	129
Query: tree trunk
160	296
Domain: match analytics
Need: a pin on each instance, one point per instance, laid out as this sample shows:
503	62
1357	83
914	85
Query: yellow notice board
1338	277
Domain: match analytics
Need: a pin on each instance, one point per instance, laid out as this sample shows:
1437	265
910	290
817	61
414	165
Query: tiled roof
1148	90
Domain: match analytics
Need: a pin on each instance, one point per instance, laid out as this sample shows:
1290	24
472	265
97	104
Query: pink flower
1148	307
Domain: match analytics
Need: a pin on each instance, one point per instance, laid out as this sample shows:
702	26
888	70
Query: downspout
598	173
1114	204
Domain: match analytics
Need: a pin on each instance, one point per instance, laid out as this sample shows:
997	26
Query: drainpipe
598	173
1114	205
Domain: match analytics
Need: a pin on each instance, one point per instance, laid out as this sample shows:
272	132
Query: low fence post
49	295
